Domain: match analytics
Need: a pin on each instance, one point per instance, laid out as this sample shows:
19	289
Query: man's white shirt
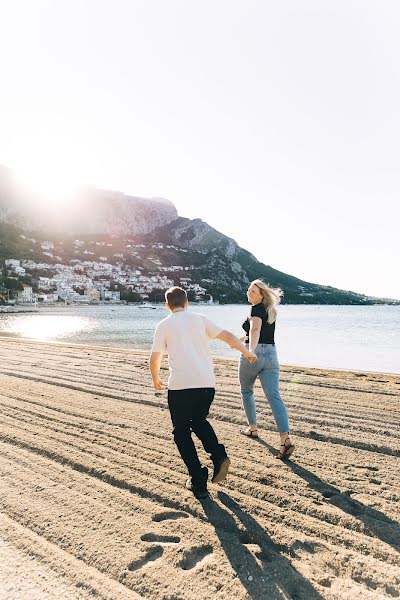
185	336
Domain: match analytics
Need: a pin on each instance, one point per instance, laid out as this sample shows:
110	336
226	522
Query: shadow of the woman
377	523
259	563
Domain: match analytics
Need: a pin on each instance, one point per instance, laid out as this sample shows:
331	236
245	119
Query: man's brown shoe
221	468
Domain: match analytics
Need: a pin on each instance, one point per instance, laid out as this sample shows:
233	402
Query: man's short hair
176	297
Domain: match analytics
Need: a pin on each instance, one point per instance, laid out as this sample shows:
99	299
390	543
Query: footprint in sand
344	500
297	548
161	539
155	552
169	516
151	555
367	467
266	480
195	557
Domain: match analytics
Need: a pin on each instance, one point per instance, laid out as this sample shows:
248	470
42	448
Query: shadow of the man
264	571
377	523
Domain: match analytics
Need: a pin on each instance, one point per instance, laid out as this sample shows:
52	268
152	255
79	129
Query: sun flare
50	169
43	327
54	184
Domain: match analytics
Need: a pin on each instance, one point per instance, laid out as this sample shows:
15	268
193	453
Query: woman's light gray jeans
266	368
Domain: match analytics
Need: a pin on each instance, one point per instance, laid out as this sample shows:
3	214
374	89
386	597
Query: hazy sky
278	123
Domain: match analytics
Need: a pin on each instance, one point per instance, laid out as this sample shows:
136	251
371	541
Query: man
191	385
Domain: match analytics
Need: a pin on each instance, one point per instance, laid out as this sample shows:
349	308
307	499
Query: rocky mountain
227	269
162	241
89	211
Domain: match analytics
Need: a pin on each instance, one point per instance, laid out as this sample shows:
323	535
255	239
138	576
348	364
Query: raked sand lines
92	489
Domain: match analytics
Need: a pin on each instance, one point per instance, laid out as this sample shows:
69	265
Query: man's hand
155	363
234	342
251	357
158	384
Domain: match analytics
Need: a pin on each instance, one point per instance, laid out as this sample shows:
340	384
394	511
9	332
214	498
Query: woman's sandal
287	450
251	433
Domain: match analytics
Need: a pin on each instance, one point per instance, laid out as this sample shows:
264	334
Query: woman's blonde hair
271	297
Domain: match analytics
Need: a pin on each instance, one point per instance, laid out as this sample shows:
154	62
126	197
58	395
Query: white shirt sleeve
159	340
212	329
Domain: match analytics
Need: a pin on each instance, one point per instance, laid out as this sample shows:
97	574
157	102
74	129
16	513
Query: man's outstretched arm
234	342
155	364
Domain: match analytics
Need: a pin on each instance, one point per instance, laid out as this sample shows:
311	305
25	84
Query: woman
260	328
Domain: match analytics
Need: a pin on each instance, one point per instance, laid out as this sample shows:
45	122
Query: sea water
363	338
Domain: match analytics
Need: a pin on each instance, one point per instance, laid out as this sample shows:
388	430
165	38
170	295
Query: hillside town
38	268
101	272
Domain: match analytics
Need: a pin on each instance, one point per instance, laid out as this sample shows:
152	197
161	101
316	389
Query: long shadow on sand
377	523
258	561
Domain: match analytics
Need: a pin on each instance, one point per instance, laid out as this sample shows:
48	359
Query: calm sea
363	338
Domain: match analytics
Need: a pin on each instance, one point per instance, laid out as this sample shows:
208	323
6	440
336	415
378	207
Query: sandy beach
93	502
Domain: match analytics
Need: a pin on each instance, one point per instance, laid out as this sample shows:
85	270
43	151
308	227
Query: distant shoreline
8	310
20	308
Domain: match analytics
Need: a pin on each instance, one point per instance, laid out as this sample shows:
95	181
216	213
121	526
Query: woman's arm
254	333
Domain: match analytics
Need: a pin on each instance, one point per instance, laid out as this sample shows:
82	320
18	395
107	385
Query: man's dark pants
189	410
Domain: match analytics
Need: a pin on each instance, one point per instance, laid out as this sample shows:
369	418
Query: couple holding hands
185	336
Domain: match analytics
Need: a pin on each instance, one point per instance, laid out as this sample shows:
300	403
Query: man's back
185	336
191	386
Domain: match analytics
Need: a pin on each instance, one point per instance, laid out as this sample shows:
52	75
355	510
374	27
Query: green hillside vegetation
15	244
208	263
223	281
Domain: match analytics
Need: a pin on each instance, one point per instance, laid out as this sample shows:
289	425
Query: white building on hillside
12	263
45	283
25	296
111	295
46	298
70	296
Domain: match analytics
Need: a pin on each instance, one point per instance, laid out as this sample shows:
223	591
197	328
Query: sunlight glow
43	327
50	167
51	184
50	187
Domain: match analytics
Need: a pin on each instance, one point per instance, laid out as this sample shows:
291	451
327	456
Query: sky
277	123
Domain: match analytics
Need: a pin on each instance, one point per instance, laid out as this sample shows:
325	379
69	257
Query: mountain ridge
197	234
212	261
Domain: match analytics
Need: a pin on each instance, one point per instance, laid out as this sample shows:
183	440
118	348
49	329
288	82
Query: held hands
251	357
